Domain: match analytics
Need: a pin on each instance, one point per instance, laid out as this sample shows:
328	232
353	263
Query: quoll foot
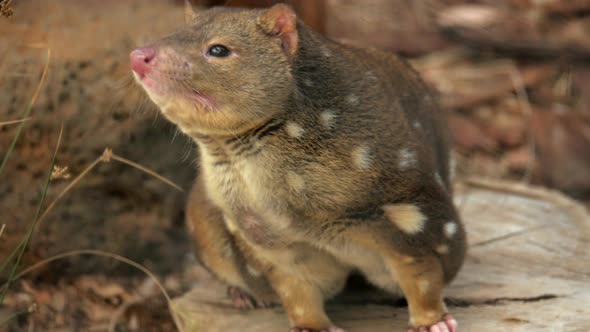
245	301
330	329
447	324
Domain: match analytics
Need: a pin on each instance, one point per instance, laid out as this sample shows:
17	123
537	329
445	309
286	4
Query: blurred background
513	76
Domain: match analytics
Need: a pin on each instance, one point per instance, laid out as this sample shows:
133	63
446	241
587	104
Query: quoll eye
219	51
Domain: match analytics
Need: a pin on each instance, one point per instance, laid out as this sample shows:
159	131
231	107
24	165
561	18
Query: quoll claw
447	324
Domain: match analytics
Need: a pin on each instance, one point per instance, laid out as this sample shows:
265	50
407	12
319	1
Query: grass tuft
25	242
106	156
27	112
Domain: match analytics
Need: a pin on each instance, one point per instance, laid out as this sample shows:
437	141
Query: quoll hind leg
423	247
218	252
303	302
422	281
427	251
304	285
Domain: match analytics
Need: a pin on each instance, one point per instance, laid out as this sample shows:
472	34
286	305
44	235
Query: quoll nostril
145	53
141	58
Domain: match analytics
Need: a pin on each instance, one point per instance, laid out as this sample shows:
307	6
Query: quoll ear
190	16
280	21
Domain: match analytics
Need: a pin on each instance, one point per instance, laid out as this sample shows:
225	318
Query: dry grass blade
523	99
24	243
6	123
52	204
146	170
113	256
70	186
27	112
2	229
106	156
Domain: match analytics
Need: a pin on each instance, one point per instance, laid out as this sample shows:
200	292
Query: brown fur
305	145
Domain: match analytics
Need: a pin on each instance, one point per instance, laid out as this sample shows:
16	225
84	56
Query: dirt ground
119	209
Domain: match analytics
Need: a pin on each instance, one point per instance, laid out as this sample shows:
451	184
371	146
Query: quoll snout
142	60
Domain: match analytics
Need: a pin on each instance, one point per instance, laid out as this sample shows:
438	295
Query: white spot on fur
285	293
371	76
295	181
361	156
407	158
352	99
450	229
407	217
253	271
327	118
294	130
308	82
439	180
231	225
423	286
326	52
299	311
452	167
442	249
408	259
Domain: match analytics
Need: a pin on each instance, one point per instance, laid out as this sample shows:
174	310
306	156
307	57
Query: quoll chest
246	192
241	184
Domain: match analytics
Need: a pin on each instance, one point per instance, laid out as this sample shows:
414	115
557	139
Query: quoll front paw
446	324
330	329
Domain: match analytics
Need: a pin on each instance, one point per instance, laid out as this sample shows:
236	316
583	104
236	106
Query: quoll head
225	71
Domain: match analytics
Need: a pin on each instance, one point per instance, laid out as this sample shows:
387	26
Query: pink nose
141	60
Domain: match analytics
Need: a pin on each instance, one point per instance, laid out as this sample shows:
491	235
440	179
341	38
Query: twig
523	98
6	123
508	236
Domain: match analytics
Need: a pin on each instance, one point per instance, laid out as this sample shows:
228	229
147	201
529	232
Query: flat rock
526	270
